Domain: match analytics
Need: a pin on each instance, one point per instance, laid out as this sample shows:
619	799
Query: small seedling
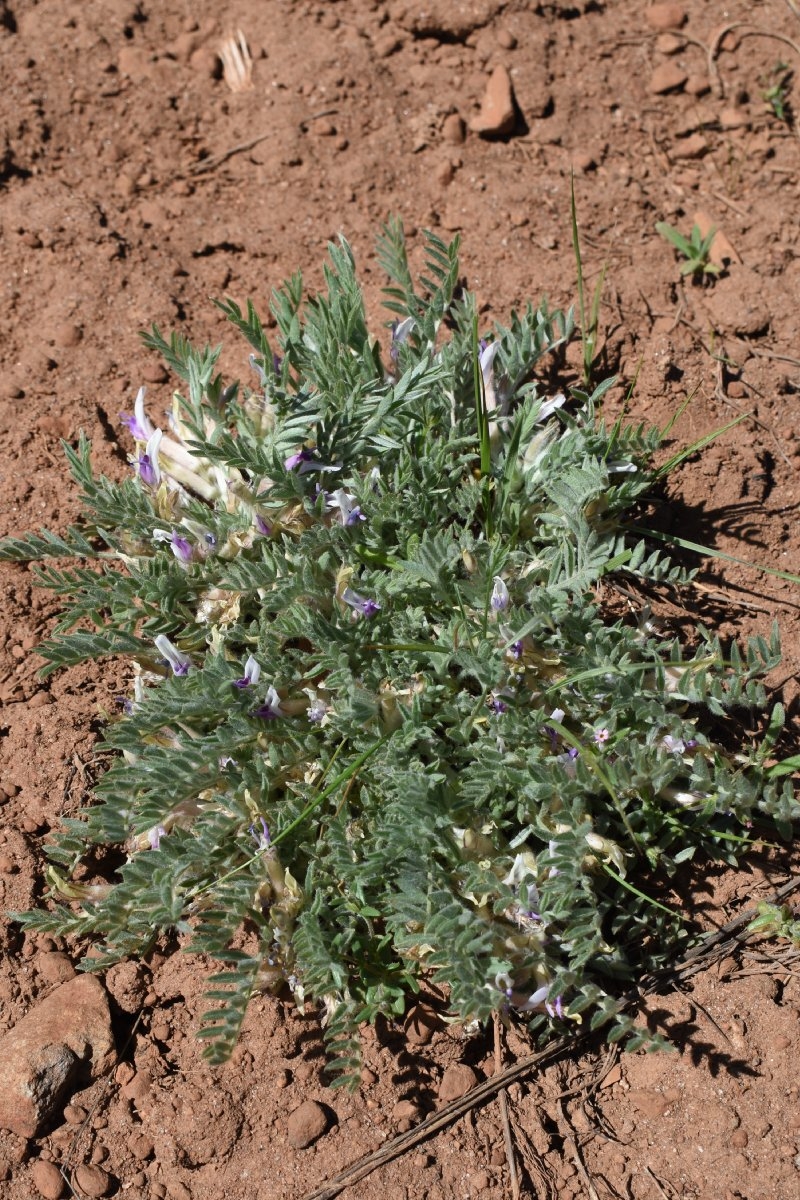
776	921
696	249
777	85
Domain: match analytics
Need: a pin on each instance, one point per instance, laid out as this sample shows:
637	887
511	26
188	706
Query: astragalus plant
381	723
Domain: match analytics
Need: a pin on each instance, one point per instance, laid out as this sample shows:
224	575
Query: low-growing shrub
382	723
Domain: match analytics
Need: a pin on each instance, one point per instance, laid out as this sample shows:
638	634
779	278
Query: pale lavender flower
181	547
350	512
155	835
257	367
400	332
497	705
139	423
179	661
252	672
261	839
556	1009
601	736
550	406
515	650
362	604
149	469
262	526
297	459
271	708
317	711
499	597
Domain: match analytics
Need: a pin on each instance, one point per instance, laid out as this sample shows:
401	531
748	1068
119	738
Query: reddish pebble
456	1082
668	77
307	1123
497	116
92	1181
454	129
48	1180
662	17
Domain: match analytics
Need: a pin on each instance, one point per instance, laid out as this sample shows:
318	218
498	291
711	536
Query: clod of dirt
306	1124
66	1037
48	1180
421	1024
127	982
448	20
662	17
456	1082
497	116
737	304
453	129
668	77
405	1115
92	1181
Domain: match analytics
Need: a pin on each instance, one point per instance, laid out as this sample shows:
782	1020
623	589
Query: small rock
669	44
445	174
497	116
694	146
662	17
613	1076
55	967
48	1180
649	1102
583	161
506	39
74	1114
739	1138
127	981
154	372
386	45
454	130
737	303
67	335
206	63
177	1190
92	1181
136	64
368	1078
480	1181
420	1025
697	85
66	1036
456	1082
141	1147
405	1114
734	118
307	1123
668	77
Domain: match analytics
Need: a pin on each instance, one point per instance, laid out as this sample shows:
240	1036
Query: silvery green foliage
380	723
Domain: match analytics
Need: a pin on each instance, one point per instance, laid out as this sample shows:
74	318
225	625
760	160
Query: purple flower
149	470
139	424
499	596
179	661
497	705
261	839
155	835
262	526
556	1009
350	512
271	708
181	548
252	671
601	736
515	650
296	460
362	604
